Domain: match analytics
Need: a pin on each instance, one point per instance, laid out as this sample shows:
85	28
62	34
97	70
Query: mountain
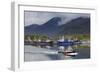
79	26
51	28
29	29
47	28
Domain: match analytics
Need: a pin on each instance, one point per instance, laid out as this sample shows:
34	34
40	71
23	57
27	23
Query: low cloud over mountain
52	27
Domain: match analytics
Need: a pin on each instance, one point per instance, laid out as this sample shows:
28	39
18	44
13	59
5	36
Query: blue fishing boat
69	42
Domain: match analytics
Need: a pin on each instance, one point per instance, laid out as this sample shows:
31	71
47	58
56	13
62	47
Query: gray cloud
33	17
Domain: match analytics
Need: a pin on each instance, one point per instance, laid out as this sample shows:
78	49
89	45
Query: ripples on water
32	53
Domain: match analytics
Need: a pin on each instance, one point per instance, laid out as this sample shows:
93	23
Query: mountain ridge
52	27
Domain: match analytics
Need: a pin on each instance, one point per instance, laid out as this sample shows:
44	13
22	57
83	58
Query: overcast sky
33	17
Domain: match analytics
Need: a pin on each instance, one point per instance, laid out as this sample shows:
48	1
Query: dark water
32	53
83	53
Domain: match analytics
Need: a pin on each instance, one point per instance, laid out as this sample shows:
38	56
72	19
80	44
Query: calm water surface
36	53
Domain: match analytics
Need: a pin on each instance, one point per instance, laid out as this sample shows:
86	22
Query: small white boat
68	53
72	54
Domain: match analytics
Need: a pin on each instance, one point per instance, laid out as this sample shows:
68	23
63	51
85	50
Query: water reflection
62	49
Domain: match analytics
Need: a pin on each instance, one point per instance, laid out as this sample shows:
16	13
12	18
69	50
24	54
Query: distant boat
63	42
